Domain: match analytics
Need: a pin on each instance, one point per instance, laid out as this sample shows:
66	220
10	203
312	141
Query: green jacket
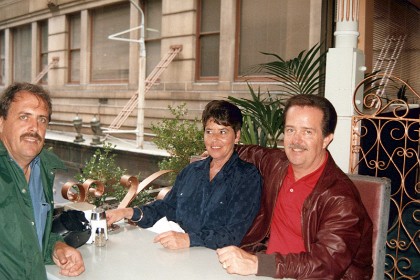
20	257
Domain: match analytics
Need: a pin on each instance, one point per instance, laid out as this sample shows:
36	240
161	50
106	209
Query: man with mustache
312	224
26	197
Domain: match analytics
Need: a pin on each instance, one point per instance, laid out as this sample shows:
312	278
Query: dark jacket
336	228
20	255
214	213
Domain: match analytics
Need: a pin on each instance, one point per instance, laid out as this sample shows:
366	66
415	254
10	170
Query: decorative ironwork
386	143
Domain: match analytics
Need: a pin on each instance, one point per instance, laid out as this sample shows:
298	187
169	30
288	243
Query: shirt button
291	190
23	190
33	223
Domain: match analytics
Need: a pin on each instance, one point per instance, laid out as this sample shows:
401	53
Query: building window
2	57
208	34
110	57
74	48
281	27
153	25
22	54
43	48
396	48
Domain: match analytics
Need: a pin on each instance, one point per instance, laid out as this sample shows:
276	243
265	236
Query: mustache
297	146
31	134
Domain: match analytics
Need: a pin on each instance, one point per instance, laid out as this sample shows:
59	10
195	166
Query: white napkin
163	225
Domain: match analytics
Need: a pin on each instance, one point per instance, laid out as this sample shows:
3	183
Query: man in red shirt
318	227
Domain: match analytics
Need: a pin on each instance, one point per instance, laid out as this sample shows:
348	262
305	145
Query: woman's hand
173	240
116	215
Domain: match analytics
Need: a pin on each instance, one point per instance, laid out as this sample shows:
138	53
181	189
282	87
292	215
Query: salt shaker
100	239
98	221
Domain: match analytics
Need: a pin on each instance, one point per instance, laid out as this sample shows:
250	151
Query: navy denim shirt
214	213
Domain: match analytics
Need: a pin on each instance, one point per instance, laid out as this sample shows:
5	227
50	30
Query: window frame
41	54
91	44
199	35
71	50
326	36
148	41
13	53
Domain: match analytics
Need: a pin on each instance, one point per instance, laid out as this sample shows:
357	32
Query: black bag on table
73	226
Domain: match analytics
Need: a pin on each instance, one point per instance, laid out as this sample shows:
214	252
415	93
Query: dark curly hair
9	95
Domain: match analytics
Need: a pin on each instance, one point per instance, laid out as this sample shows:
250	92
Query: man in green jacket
26	181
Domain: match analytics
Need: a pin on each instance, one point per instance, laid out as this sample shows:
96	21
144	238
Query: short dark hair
9	95
329	119
223	113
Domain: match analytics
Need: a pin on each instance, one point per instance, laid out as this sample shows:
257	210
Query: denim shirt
39	202
214	213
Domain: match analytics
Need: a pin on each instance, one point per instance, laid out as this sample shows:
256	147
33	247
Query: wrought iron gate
386	143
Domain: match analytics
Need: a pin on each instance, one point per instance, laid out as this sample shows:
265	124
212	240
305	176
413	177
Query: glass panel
2	57
110	57
209	39
153	55
43	27
74	66
22	54
153	19
153	24
396	43
210	16
280	27
209	53
44	36
75	31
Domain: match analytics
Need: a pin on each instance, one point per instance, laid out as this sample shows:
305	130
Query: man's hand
236	260
115	215
173	240
68	259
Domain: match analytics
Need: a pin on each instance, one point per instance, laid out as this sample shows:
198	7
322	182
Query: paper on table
163	225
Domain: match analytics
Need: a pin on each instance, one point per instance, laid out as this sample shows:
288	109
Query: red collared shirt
286	226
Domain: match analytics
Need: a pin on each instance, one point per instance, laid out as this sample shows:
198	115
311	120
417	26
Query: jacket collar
227	166
48	159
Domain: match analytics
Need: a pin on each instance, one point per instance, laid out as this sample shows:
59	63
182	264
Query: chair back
375	194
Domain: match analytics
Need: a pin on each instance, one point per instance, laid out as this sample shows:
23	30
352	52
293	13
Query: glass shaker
100	239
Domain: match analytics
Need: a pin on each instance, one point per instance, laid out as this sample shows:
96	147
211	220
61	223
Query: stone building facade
221	40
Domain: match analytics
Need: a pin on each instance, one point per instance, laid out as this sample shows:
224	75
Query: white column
345	67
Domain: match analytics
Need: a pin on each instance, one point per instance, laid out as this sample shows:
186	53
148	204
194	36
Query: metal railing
386	143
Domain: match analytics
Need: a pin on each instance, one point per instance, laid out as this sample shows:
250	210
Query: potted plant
181	138
102	167
263	117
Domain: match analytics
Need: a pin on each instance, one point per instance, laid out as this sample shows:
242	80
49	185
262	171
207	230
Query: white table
131	254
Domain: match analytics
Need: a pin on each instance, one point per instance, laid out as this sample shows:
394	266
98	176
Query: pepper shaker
100	239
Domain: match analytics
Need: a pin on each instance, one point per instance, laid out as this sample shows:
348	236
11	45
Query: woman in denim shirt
215	199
